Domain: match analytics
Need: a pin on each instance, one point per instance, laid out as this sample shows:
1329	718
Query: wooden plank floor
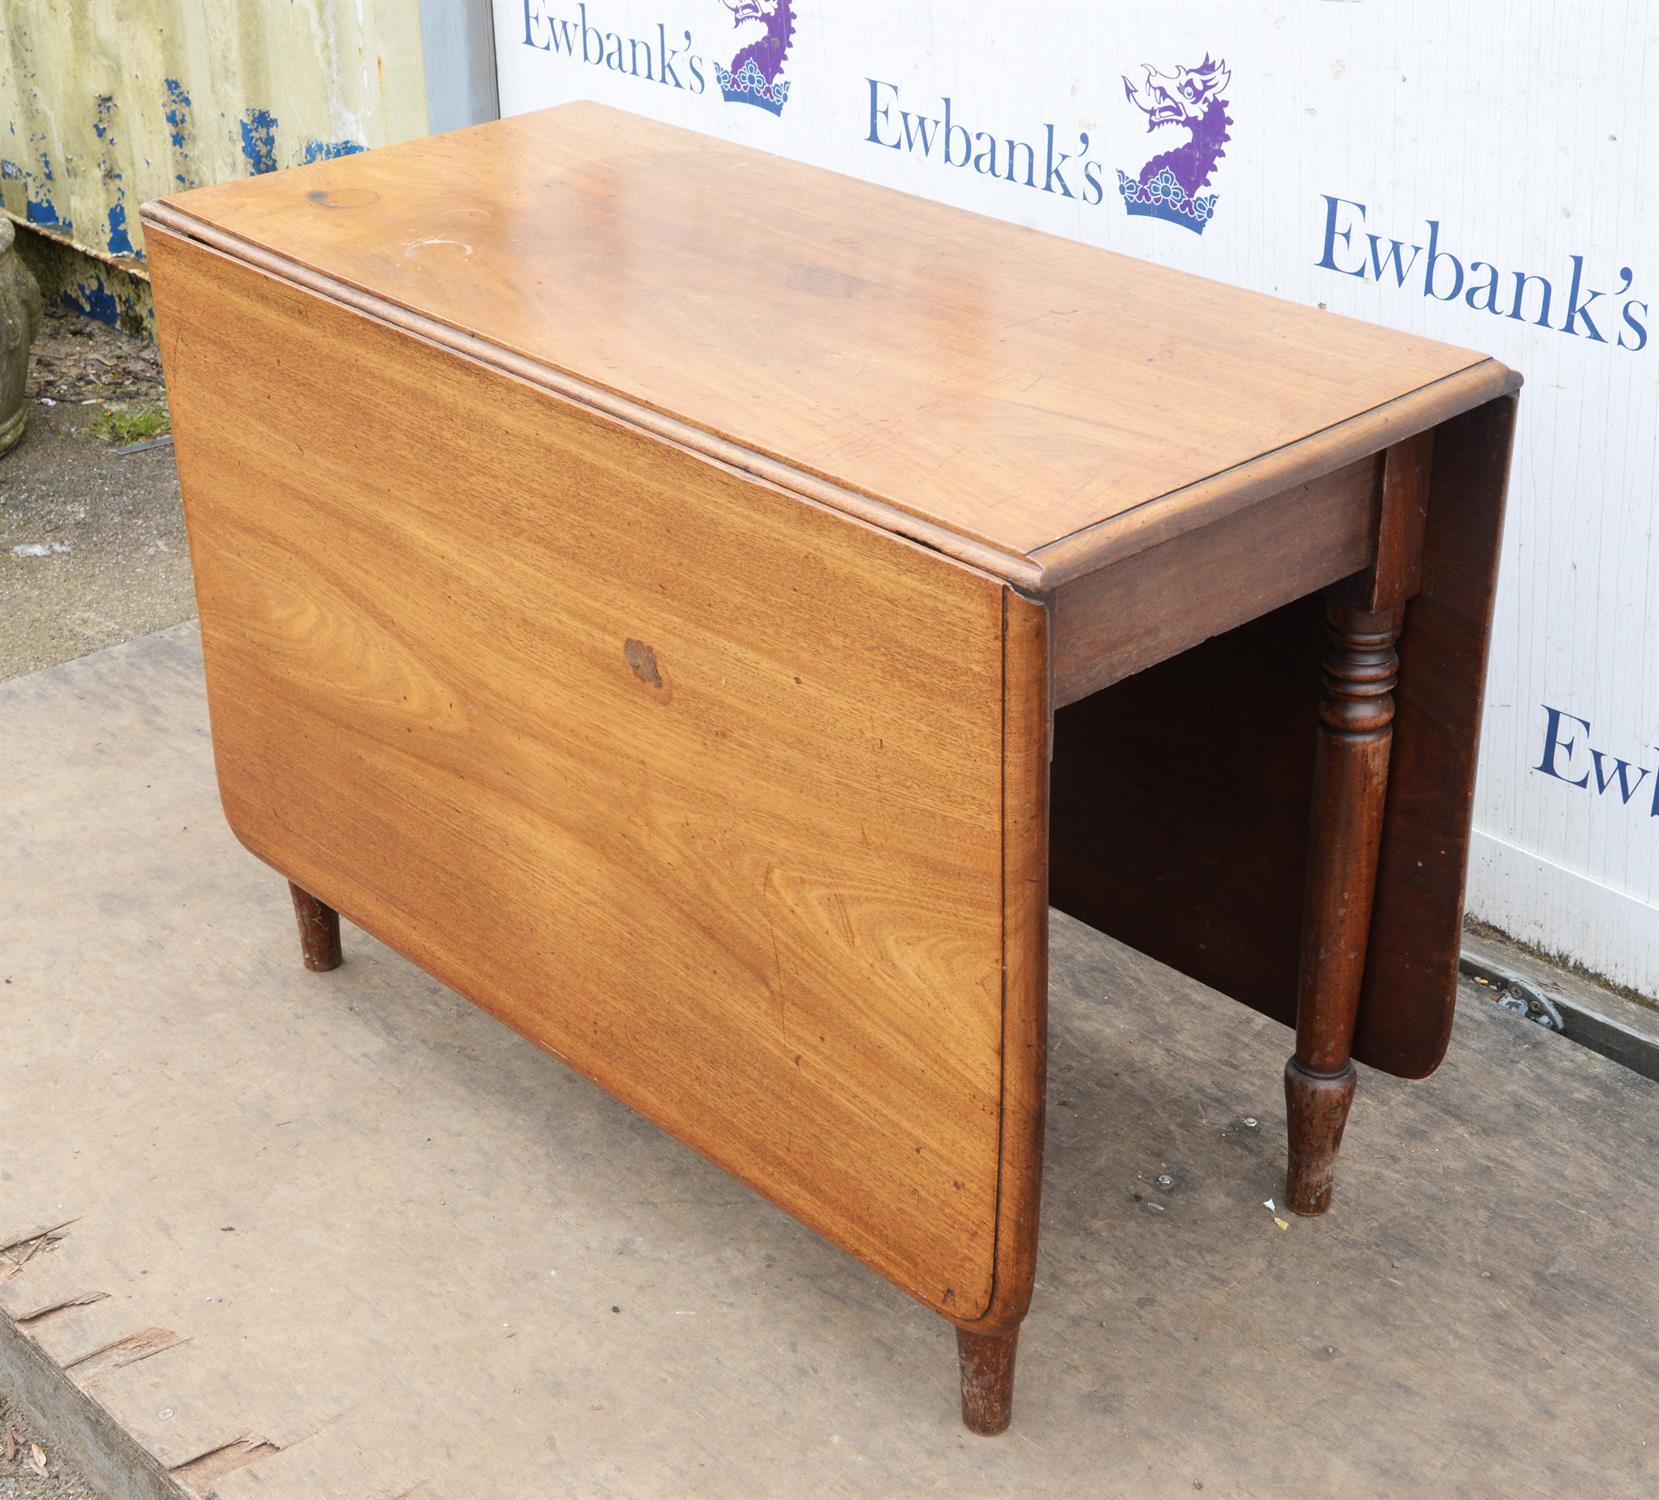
355	1239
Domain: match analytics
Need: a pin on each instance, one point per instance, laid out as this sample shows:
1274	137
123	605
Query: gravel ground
31	1453
103	554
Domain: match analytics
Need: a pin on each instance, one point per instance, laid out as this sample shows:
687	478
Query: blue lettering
1521	280
1621	774
1056	168
879	114
952	131
1489	286
1327	261
593	31
924	131
1577	309
668	54
560	35
1554	742
1395	259
529	37
1636	326
1436	255
1014	148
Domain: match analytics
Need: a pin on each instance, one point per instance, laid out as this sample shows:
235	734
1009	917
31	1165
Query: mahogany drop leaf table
704	609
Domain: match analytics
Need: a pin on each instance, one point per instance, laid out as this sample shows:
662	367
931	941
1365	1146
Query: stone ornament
20	312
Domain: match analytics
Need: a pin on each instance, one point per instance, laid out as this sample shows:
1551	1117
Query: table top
1012	398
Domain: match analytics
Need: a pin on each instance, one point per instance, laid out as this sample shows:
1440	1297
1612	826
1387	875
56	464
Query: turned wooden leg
1356	714
319	931
987	1361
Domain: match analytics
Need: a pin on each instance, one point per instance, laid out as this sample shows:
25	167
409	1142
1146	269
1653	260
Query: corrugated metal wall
105	103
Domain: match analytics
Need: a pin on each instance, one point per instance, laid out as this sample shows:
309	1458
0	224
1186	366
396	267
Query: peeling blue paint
120	242
38	208
118	239
177	112
328	150
259	127
10	171
95	300
44	212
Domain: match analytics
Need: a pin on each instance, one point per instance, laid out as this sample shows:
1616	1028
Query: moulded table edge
1148	523
1011	567
1229	490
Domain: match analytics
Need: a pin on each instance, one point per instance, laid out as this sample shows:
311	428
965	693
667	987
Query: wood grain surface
1180	795
1009	390
628	566
1405	1015
1150	605
1026	746
698	785
1350	789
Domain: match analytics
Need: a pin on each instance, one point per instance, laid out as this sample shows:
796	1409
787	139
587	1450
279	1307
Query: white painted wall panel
1519	139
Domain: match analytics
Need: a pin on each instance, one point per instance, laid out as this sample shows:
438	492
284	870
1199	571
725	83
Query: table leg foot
1317	1105
987	1361
1350	785
319	931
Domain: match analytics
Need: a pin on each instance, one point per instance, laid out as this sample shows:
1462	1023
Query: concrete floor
343	1235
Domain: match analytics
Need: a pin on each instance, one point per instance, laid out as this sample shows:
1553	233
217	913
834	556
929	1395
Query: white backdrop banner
1483	175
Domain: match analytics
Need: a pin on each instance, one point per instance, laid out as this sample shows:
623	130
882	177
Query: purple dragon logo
1168	185
766	27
